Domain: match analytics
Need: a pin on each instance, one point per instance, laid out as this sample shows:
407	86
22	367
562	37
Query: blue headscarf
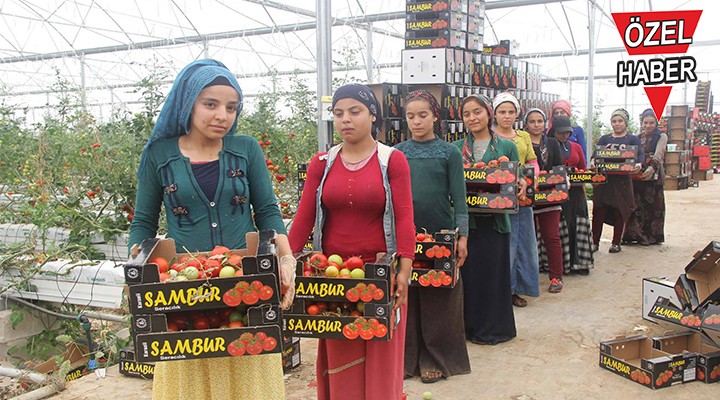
174	118
364	95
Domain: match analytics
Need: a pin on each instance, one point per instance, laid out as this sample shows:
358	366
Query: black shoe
583	272
615	248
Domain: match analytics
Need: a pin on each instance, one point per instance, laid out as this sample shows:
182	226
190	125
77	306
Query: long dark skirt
489	317
577	238
435	336
647	223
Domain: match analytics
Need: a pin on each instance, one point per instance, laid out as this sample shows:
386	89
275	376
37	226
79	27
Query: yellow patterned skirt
249	377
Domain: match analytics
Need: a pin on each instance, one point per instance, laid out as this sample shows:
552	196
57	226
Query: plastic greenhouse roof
108	46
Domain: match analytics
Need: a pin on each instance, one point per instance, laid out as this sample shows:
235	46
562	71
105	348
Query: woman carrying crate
614	201
358	199
207	178
488	307
647	223
435	340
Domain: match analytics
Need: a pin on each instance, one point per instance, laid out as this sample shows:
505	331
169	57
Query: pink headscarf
562	105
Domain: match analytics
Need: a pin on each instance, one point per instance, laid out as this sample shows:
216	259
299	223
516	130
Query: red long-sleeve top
576	158
354	203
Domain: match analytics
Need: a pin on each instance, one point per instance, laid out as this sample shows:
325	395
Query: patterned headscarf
174	118
364	95
426	96
621	112
562	105
649	141
467	152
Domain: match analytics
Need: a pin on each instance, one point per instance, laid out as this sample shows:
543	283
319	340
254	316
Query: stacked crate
444	54
703	95
678	162
705	124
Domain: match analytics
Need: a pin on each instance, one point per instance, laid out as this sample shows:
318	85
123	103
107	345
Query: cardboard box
699	151
676	157
197	294
428	66
129	367
655	287
675	170
707	357
615	168
503	201
581	177
665	312
622	155
432	22
702	175
702	163
448	97
674	122
676	182
392	131
482	64
704	270
377	322
635	358
679	111
153	342
440	38
505	172
75	354
291	354
711	322
391	97
420	6
259	258
686	293
380	274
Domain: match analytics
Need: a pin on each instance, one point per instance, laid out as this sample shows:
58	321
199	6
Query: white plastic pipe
41	393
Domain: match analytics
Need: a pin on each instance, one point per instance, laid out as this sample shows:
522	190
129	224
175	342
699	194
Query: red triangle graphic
658	96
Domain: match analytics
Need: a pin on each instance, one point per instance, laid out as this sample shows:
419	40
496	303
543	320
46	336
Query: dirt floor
555	355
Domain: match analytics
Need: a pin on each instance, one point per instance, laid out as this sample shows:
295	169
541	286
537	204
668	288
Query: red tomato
313	310
201	323
270	344
235	324
256	285
353	263
266	292
172	327
318	260
366	297
162	264
212	266
224	314
219	250
180	320
178	266
322	305
232	298
234	260
236	349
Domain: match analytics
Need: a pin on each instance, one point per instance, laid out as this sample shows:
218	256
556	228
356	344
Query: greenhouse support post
324	69
591	78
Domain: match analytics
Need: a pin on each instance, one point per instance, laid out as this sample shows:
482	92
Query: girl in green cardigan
488	306
435	339
208	179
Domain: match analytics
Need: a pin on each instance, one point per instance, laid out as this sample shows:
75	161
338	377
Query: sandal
518	301
431	376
